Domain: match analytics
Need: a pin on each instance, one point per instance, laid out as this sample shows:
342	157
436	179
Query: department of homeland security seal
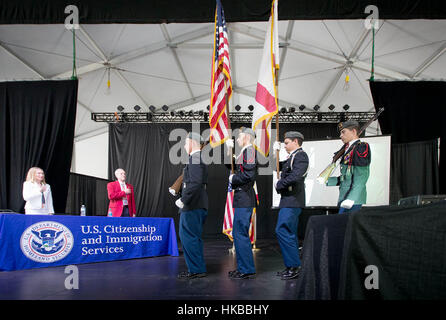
46	241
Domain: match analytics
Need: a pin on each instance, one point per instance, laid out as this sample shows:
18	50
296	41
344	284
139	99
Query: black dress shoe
292	273
238	275
281	273
230	273
188	275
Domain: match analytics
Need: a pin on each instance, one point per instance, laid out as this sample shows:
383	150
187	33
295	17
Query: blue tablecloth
36	241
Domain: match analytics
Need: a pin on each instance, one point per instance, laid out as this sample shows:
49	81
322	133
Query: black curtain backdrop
414	170
414	111
37	121
137	11
142	150
88	191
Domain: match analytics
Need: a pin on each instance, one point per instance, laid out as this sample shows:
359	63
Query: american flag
229	216
221	85
229	213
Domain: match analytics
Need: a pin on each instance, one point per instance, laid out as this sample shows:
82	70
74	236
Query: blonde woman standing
37	193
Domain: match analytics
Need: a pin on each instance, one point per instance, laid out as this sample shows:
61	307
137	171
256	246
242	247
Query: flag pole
222	71
254	222
230	150
276	84
254	229
277	123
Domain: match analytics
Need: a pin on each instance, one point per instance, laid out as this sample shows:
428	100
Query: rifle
326	173
175	188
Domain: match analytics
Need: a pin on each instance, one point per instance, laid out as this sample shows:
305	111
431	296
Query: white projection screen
320	154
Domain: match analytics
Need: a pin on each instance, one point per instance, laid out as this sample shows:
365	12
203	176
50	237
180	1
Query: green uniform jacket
355	171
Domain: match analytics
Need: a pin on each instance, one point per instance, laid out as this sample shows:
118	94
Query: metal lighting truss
236	117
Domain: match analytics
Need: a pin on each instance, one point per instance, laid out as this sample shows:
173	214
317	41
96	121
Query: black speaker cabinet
421	199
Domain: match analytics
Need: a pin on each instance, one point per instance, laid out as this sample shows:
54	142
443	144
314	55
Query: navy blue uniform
195	179
193	214
245	174
291	187
244	203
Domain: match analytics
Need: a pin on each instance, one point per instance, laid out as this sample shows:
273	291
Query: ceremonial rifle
324	175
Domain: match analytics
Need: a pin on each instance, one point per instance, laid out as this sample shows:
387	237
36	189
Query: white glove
172	192
321	180
275	185
347	204
179	204
277	145
230	143
230	178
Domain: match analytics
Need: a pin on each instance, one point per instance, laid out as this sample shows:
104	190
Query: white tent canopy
170	64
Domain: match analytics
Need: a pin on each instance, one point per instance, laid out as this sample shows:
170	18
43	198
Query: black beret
248	131
294	135
195	136
348	124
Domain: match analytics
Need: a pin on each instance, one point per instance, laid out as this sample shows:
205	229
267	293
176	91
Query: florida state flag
266	105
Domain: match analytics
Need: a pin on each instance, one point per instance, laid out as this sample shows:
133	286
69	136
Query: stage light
120	108
237	107
172	113
191	113
250	107
331	107
292	109
319	117
316	108
283	110
165	108
346	107
206	116
149	117
181	113
302	107
137	108
200	113
152	108
208	107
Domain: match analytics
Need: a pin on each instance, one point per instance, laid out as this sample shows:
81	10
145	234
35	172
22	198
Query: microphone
43	199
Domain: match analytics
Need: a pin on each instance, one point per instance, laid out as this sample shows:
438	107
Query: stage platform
155	278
